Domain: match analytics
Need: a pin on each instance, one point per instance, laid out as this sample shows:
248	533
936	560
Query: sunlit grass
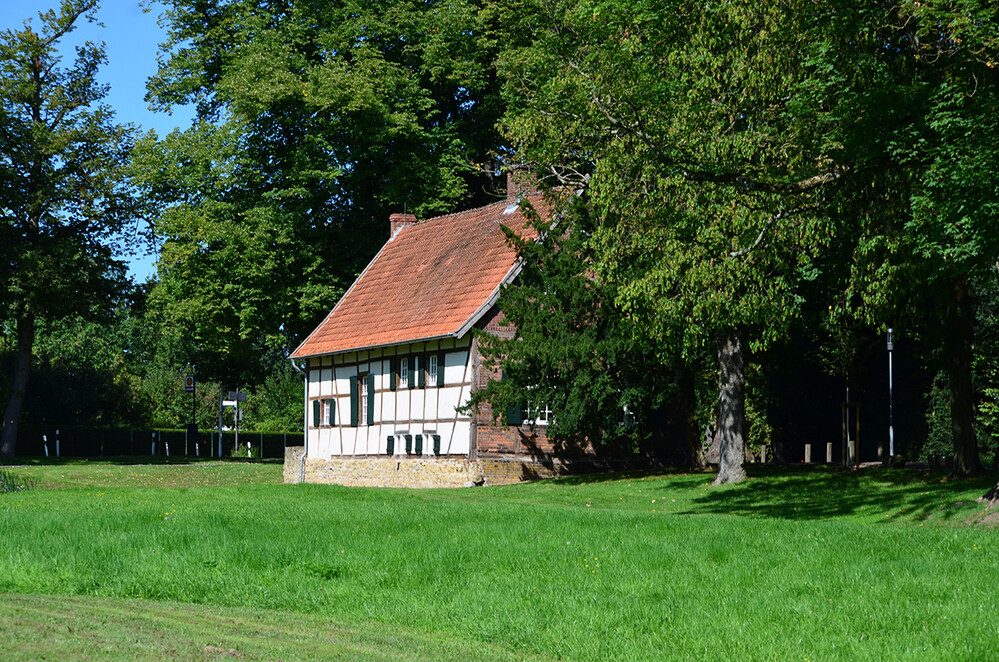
790	565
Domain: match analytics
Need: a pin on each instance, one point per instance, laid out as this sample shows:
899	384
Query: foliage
64	194
276	404
316	120
742	156
9	482
573	350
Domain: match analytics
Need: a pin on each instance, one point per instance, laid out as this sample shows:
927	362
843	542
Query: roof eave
367	348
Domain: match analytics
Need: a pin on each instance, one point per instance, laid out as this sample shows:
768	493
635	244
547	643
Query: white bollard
808	453
45	442
829	453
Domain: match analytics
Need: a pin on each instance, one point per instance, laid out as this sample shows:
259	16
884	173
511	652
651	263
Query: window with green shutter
419	444
316	404
437	444
414	370
440	369
393	373
421	371
390	445
409	444
331	412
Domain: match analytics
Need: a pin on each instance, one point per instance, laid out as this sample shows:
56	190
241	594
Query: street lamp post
891	413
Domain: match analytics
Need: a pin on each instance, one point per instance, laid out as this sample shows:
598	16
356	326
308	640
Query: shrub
11	483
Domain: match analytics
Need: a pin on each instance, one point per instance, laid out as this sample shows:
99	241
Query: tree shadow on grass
130	460
821	493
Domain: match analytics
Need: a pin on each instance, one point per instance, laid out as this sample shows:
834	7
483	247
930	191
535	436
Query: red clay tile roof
433	279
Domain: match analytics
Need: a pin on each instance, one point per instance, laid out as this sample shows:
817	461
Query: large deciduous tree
678	121
727	147
316	121
63	196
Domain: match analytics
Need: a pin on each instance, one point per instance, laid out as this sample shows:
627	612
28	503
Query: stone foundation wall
443	471
383	471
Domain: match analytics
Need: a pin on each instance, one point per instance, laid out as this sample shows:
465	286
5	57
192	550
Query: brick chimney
400	221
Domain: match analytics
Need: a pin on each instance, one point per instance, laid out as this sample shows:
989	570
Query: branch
745	183
766	226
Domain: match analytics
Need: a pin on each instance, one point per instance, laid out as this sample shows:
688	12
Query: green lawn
813	565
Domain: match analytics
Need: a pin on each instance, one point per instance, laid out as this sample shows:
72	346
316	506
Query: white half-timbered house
391	366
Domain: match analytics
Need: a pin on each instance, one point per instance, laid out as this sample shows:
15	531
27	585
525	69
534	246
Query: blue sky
131	36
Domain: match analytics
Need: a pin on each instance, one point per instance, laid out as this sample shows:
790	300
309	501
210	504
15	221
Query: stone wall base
376	471
382	471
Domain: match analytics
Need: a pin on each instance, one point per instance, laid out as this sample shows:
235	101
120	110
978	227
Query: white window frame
362	397
432	371
325	419
403	372
538	415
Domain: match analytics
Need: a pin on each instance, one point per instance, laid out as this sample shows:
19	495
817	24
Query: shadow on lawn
129	460
889	494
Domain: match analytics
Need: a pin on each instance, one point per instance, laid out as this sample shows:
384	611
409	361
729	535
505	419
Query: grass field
219	561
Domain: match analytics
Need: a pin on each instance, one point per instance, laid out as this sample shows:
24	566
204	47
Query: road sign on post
189	384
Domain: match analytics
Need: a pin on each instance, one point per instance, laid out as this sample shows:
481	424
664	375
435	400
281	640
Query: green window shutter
409	444
440	370
315	413
393	373
353	402
371	400
419	444
414	369
421	372
437	444
390	446
515	415
332	405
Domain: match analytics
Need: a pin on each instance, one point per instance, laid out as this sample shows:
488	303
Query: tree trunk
22	368
958	341
731	407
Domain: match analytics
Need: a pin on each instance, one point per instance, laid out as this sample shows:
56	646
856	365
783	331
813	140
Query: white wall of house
427	411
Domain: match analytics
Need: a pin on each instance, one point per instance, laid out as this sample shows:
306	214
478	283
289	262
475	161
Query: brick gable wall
492	437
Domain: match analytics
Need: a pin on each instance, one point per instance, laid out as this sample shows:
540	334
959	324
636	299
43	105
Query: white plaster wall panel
417	399
457	441
403	402
385	403
313	383
454	367
325	381
430	408
448	397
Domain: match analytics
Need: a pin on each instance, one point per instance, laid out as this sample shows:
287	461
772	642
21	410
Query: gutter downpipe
305	419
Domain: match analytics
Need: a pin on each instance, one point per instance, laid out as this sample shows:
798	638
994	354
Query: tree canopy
65	196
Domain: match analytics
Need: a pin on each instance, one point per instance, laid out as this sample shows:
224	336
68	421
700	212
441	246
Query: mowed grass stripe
37	627
634	568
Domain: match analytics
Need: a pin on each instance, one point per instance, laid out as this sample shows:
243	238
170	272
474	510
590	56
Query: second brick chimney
400	221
